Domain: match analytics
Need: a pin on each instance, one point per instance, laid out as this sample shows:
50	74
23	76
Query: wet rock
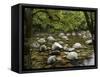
51	59
61	34
88	42
56	46
65	37
72	55
77	45
43	48
42	40
35	45
51	38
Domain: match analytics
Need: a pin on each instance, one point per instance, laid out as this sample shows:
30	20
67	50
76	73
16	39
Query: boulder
43	48
42	40
35	45
51	38
51	59
88	42
77	45
72	55
61	34
56	46
65	37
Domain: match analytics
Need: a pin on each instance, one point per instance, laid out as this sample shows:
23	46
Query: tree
90	18
28	34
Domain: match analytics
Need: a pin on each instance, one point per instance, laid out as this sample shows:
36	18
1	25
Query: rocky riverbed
60	50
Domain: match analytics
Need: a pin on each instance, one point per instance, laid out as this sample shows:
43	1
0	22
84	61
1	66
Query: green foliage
58	20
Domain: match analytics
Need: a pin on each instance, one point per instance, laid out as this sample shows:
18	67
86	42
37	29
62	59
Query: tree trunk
28	34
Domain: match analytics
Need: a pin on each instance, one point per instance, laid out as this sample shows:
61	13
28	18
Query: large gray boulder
56	46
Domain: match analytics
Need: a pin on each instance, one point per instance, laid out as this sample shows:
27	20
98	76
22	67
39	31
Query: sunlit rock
77	45
88	42
68	34
51	38
65	37
56	46
61	34
42	40
70	49
73	34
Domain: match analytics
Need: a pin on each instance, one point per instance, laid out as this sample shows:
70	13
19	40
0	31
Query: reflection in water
89	61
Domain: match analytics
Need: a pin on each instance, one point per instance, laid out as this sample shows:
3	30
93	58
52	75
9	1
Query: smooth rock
51	59
42	40
43	48
51	38
77	45
70	49
61	34
68	34
56	46
35	45
65	37
61	42
73	33
88	42
72	55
